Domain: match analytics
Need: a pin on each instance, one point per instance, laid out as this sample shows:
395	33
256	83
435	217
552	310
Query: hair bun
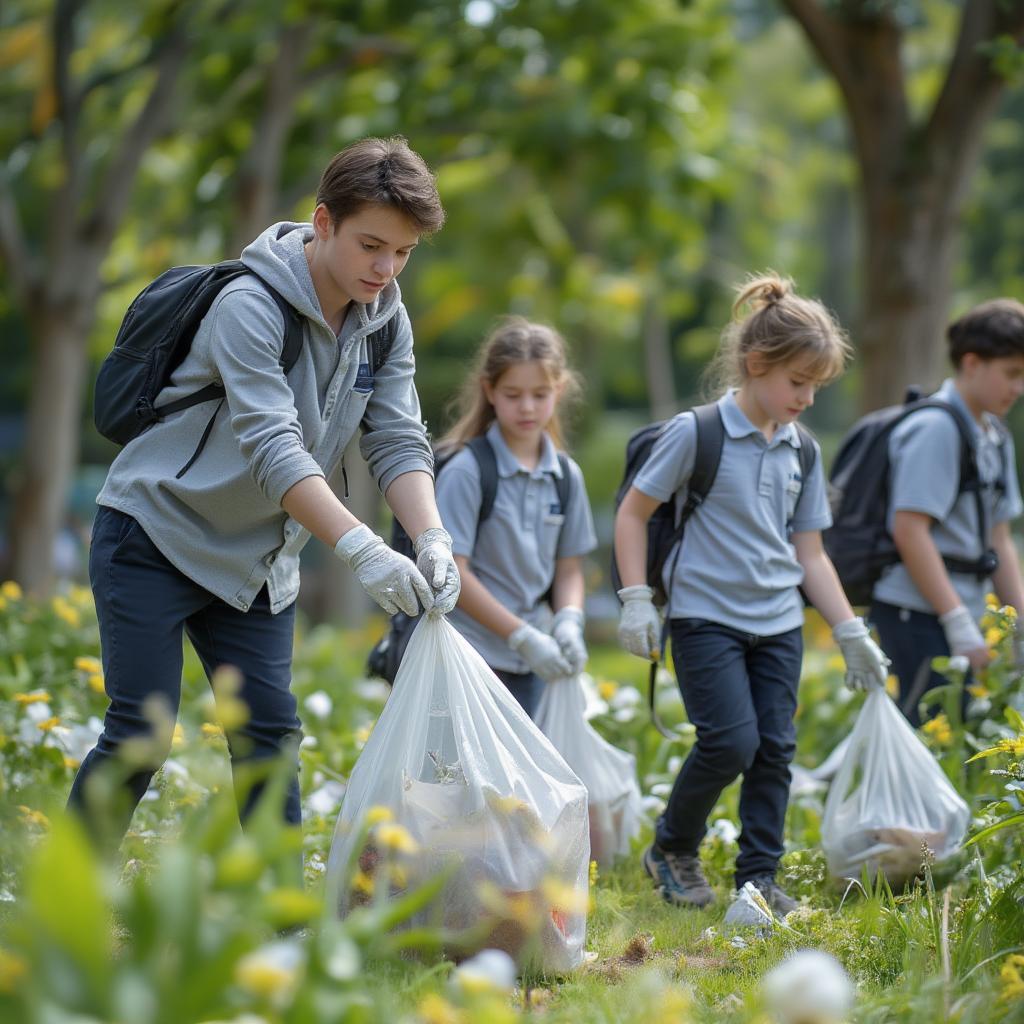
762	291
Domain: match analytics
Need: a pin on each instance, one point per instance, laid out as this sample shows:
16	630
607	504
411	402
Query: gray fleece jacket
221	523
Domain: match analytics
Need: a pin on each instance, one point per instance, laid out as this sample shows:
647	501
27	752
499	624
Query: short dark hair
382	172
991	330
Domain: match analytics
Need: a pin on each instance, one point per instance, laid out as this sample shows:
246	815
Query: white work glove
540	651
639	624
434	559
964	637
391	579
866	664
567	629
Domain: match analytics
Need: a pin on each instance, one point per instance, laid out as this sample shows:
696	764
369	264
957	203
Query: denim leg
259	645
524	686
710	662
911	639
773	666
142	602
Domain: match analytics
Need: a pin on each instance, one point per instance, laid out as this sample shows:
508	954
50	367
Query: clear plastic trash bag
889	801
608	773
482	796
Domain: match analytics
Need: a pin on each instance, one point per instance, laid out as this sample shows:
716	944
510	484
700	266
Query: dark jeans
143	603
524	686
911	639
740	694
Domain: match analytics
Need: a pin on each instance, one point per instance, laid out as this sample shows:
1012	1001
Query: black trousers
144	604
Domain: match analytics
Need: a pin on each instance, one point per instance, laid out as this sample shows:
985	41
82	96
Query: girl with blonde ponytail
517	509
733	580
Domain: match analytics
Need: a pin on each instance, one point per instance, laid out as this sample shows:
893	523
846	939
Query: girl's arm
480	604
631	536
821	583
568	588
1007	579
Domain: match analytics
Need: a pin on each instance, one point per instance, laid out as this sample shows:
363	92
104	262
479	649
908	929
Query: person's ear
323	226
969	363
755	364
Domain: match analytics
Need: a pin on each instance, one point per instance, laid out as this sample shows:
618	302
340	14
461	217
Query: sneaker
778	899
678	877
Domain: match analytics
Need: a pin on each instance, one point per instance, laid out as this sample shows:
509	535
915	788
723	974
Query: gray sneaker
678	877
778	899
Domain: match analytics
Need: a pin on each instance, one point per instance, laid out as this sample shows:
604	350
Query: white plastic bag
483	795
889	800
608	773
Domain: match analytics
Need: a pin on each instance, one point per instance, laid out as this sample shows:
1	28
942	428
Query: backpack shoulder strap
487	462
380	343
807	452
563	483
710	439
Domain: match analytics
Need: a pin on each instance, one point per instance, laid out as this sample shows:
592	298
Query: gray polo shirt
924	473
514	553
737	565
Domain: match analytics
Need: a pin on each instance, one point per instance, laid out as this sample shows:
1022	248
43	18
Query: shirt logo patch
364	379
555	508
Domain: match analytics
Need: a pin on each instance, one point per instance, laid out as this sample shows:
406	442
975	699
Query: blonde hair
771	320
514	340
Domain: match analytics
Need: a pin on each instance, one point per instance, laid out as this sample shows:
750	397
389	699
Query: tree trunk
51	442
658	368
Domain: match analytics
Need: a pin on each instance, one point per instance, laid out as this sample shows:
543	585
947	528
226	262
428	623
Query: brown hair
381	172
779	326
514	340
992	330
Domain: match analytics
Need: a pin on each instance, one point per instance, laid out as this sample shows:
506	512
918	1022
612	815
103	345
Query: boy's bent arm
411	498
481	605
821	583
631	536
911	532
568	588
1007	579
313	504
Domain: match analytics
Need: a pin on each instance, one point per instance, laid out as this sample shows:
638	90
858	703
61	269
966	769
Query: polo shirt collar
509	465
949	393
737	425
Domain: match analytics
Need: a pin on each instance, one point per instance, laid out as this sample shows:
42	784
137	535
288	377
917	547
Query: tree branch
21	267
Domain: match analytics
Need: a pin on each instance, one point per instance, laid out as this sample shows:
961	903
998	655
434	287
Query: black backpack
664	531
858	542
155	336
386	655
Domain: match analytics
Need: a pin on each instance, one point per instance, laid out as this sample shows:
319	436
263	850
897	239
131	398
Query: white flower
326	799
808	987
626	697
308	743
319	704
959	663
725	830
490	970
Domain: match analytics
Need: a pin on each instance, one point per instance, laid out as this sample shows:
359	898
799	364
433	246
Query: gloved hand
540	651
434	559
639	624
866	664
391	579
964	637
567	629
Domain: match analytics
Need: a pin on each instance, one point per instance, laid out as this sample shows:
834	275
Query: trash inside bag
890	805
609	773
455	779
749	909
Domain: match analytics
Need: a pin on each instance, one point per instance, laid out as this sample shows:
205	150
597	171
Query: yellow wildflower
211	731
564	897
1010	612
379	813
88	664
939	730
96	682
80	596
836	663
994	636
12	969
11	590
435	1009
593	872
362	734
1013	746
264	976
48	724
38	697
3	603
396	837
991	601
291	906
398	875
363	883
71	763
31	817
892	686
607	689
66	611
1010	975
978	690
177	737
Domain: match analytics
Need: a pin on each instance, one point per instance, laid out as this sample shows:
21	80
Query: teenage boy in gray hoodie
210	545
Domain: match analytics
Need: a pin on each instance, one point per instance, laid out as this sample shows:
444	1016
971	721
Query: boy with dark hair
209	544
954	545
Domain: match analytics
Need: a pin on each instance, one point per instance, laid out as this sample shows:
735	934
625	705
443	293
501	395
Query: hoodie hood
277	255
